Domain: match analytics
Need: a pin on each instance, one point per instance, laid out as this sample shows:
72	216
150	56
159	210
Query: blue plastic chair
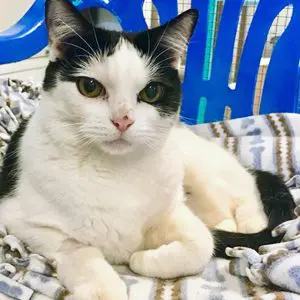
202	94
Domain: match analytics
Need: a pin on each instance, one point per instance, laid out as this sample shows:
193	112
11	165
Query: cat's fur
77	193
279	207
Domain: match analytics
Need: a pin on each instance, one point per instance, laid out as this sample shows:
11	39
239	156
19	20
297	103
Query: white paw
139	263
157	263
253	224
227	225
94	291
171	260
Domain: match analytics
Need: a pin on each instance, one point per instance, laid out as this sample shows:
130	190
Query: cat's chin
117	147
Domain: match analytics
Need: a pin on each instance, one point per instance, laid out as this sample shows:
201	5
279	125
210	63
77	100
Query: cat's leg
204	201
180	244
223	193
89	276
250	215
227	225
82	269
204	180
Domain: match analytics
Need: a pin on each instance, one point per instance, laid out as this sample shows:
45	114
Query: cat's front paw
253	225
94	291
139	263
170	261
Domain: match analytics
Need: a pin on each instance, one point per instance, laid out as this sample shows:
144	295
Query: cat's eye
151	93
90	87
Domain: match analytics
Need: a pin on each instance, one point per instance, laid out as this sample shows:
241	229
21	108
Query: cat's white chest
108	205
114	213
115	229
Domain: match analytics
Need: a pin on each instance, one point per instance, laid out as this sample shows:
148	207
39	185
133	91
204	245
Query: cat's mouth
120	142
118	146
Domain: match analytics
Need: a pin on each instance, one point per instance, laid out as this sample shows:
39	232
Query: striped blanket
270	142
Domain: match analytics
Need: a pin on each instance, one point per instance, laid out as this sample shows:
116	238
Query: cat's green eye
151	93
90	87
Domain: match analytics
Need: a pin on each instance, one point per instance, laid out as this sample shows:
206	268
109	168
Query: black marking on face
161	46
77	52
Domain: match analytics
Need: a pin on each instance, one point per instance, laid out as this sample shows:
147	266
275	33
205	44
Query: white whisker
76	46
77	35
148	43
94	30
159	41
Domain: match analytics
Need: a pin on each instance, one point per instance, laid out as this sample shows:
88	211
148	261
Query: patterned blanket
270	142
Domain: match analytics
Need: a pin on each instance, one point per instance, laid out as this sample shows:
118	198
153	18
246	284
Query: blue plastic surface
280	93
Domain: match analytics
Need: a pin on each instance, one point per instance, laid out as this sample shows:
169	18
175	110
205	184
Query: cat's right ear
63	21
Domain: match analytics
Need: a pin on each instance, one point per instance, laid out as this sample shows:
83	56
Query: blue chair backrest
205	92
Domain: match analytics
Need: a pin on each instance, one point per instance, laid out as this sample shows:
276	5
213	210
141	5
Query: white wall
11	11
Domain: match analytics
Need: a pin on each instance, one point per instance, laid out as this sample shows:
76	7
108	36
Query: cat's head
121	91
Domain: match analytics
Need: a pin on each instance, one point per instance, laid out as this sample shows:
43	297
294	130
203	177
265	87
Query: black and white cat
97	176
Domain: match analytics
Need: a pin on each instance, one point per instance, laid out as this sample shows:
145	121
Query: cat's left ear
63	21
174	35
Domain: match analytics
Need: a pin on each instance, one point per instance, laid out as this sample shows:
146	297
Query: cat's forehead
123	65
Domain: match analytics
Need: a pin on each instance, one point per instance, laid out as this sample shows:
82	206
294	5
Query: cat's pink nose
122	123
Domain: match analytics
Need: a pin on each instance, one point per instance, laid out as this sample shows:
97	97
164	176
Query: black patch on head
10	172
165	45
168	76
98	41
76	51
73	41
73	46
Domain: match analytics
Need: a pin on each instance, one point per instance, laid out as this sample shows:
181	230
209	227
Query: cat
240	206
99	174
